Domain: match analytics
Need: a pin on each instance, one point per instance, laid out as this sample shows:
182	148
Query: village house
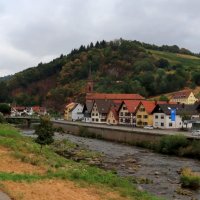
162	116
87	109
113	117
127	112
100	110
184	97
73	112
143	113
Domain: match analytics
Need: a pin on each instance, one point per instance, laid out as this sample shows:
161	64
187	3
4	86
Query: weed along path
155	173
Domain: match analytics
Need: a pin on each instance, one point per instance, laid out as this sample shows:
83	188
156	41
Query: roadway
129	129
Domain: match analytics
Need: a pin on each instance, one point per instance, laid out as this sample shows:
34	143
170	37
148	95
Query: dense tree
196	78
5	109
44	132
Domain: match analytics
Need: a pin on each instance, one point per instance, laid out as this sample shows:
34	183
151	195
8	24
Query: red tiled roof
149	105
132	105
181	94
114	96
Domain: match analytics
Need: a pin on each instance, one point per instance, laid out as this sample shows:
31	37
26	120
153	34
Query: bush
190	179
2	119
83	132
171	144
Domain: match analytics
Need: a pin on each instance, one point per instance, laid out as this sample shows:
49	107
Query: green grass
189	62
190	179
58	167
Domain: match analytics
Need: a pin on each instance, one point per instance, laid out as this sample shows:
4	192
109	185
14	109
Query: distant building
127	112
162	116
184	97
73	112
87	109
143	113
100	110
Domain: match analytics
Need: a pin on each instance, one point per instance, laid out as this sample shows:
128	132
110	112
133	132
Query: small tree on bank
44	132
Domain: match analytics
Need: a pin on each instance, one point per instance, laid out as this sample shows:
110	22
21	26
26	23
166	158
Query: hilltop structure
184	97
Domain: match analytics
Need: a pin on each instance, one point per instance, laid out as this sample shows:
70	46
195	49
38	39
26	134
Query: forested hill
118	66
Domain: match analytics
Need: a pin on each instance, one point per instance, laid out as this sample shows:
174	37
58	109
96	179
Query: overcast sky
34	31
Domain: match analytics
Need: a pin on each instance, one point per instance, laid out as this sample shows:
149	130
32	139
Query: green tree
44	132
163	98
5	108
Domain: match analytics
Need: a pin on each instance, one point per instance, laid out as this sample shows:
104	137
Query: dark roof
103	105
88	106
180	109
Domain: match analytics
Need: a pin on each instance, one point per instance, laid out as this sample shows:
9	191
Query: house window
142	109
113	121
170	124
92	119
156	116
161	124
145	116
145	123
162	117
139	116
97	120
121	120
92	114
121	113
96	114
169	117
124	108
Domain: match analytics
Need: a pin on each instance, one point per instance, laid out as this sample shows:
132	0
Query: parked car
148	127
196	132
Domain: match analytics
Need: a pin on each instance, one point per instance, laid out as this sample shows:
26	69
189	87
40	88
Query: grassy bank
56	167
177	145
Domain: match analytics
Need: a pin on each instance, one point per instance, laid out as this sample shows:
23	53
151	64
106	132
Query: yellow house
143	113
184	97
67	112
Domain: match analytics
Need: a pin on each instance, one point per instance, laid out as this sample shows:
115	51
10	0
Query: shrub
171	144
83	132
2	119
190	179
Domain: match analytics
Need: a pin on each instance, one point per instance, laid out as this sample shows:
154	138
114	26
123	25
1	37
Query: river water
160	171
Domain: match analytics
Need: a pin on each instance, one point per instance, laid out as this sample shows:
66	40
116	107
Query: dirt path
4	196
56	189
10	164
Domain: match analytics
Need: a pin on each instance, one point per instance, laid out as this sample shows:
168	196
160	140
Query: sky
34	31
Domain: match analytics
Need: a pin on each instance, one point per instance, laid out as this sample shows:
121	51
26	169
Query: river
158	172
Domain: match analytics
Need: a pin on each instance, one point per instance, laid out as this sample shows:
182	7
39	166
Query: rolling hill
118	66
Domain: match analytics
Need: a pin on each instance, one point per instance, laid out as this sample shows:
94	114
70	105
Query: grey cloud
38	30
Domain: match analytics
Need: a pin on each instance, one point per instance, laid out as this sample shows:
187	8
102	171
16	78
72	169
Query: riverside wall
109	133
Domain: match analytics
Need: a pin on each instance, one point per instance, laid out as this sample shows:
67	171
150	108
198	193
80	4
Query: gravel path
4	196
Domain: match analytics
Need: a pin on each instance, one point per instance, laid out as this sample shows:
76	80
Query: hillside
119	66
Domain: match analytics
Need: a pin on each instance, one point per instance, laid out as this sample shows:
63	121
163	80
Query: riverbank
27	173
156	173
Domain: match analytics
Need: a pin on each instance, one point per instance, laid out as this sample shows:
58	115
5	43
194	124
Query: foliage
190	179
2	119
163	98
44	132
58	167
5	108
171	143
126	66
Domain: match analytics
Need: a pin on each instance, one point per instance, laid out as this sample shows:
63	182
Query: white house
77	112
162	116
73	112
